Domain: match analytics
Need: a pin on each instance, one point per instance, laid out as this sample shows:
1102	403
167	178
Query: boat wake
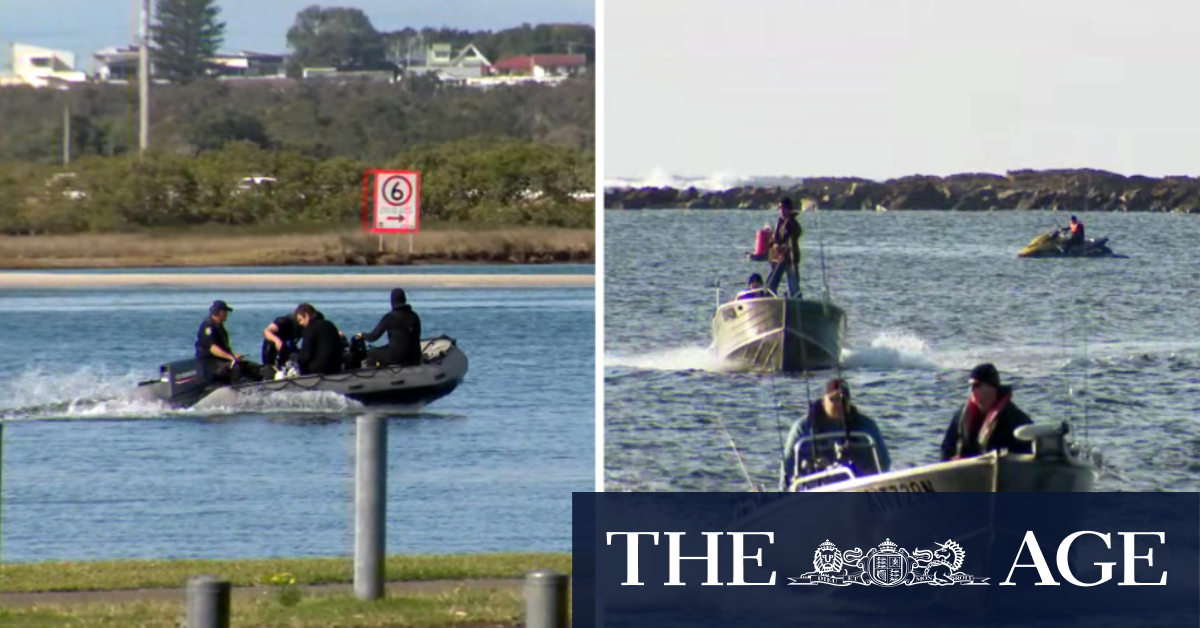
97	393
673	359
891	350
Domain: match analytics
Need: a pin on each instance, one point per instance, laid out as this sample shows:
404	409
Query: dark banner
895	559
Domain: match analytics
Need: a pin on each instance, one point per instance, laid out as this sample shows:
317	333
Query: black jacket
321	351
1010	418
787	236
403	328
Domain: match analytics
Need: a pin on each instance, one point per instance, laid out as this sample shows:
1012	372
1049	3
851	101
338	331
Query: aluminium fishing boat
773	333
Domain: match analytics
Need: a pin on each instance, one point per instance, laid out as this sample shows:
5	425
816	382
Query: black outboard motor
356	354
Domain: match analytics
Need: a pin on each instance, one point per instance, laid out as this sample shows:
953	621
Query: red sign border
368	196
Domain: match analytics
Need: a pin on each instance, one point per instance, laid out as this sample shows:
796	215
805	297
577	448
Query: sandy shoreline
33	280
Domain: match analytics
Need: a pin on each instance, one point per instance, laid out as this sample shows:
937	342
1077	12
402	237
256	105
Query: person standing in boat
321	346
215	360
403	328
987	421
785	250
833	414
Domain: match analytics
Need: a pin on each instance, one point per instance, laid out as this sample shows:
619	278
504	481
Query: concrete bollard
545	599
208	602
370	500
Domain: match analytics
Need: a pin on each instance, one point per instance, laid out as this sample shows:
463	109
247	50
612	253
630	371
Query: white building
42	67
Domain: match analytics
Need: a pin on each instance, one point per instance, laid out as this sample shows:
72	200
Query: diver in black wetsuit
279	340
403	328
321	347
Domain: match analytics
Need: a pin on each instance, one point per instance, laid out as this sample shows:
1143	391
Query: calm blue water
489	468
1113	345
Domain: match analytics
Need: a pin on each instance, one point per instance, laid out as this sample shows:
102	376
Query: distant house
42	67
380	72
539	66
442	61
120	64
117	64
246	64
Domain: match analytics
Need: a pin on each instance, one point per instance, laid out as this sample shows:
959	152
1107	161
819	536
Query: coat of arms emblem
888	565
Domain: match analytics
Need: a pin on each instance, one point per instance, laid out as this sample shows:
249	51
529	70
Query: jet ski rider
1077	239
215	360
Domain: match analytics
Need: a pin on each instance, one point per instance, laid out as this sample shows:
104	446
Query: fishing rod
741	461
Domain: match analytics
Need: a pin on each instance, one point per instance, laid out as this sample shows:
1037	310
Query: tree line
481	181
186	33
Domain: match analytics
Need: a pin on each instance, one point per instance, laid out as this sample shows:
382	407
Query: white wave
892	350
715	182
93	392
673	359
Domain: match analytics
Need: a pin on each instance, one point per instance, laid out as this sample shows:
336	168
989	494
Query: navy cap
219	306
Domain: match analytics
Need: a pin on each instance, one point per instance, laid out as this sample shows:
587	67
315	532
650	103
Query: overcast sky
881	88
84	26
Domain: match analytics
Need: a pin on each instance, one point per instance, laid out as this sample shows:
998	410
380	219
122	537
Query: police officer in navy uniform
215	360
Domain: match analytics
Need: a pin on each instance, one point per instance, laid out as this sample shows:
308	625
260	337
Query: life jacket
978	429
1075	227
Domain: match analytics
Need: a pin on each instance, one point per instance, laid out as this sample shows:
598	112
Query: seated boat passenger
987	421
833	432
755	289
403	328
216	361
321	348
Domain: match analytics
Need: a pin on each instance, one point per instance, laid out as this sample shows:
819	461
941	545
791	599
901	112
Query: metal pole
144	80
208	602
66	140
1	490
545	599
370	498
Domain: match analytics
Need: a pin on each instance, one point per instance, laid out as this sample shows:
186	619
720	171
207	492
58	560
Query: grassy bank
243	246
150	574
457	607
424	591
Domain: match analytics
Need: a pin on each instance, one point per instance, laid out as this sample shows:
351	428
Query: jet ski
443	366
1054	244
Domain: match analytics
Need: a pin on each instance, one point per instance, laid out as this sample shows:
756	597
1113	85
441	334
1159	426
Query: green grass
462	607
148	574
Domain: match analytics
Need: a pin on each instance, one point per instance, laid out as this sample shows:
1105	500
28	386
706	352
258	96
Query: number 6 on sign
394	197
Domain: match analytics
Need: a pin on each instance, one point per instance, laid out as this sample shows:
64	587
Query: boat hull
992	473
778	334
443	368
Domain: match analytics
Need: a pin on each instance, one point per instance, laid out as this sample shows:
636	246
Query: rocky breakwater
1066	190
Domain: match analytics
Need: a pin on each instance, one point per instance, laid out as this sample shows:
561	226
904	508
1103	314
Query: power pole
66	128
144	80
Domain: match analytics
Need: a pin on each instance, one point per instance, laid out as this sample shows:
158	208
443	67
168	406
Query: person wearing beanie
785	250
403	328
833	413
754	289
987	421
